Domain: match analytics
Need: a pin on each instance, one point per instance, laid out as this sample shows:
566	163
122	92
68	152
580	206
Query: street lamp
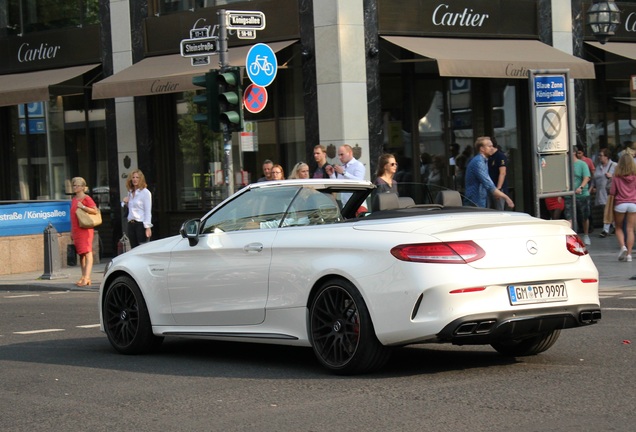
603	17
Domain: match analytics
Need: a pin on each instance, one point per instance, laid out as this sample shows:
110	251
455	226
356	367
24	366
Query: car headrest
385	201
449	198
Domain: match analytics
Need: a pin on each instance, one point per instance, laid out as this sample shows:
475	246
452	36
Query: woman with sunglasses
387	167
82	237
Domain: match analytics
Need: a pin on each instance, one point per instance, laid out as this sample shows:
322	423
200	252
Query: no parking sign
254	98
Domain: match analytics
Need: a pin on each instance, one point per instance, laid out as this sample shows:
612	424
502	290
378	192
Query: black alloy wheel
341	331
126	318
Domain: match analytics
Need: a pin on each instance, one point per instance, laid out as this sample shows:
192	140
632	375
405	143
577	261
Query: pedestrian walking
478	183
623	190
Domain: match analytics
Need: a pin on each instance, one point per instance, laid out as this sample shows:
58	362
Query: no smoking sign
552	129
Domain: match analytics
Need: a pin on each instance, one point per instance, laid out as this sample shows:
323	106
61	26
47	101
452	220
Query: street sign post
551	135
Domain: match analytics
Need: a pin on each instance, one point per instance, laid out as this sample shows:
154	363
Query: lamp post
603	17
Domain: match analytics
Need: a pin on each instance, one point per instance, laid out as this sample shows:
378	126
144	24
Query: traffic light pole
227	135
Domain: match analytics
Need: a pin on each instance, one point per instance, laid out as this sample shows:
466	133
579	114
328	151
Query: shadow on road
187	357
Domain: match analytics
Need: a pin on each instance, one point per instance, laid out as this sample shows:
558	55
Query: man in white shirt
351	168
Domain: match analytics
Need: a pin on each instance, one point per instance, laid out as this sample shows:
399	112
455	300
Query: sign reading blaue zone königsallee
33	217
549	89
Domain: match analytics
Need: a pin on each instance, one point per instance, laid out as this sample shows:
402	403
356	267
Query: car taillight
460	252
575	245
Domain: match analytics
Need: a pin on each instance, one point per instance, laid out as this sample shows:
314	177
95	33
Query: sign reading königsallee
458	18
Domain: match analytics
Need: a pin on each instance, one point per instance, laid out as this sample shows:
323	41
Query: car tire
529	346
341	332
126	320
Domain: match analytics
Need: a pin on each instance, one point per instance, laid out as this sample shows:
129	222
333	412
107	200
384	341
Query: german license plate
526	294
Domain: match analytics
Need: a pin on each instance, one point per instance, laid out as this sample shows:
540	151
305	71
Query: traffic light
208	101
230	99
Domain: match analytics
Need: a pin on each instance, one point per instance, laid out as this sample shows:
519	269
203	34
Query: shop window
52	142
198	156
165	7
26	16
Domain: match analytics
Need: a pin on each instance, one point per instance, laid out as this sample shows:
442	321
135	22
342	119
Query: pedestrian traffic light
230	99
207	101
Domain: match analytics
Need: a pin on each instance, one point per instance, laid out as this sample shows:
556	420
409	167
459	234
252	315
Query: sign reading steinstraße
199	47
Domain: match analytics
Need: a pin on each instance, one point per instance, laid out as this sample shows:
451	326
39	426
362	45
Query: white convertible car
332	265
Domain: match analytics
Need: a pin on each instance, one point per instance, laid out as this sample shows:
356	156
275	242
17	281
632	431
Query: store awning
34	86
166	74
627	50
493	58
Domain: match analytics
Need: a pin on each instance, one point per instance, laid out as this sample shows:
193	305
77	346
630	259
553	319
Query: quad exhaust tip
476	327
590	317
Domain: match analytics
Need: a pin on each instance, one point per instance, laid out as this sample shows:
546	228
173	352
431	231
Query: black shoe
612	230
603	234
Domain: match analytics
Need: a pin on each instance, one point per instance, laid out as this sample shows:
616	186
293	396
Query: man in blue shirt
478	182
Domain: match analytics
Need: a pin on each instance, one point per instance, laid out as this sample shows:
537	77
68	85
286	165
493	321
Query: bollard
51	255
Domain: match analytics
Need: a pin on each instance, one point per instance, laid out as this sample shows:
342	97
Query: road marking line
23	295
619	309
38	331
88	326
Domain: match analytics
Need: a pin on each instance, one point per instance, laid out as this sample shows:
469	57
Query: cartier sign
443	15
459	18
28	53
49	50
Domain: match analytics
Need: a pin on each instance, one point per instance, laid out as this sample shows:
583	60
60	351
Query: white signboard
552	129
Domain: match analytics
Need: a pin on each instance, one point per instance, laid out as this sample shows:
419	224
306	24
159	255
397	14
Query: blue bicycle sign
261	65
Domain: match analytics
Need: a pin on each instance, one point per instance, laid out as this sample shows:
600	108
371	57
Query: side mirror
190	230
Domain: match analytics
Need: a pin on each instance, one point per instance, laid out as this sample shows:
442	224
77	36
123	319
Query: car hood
509	239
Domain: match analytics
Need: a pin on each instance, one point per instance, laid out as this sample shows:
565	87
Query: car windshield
281	205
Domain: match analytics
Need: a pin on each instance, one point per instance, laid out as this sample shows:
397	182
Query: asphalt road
59	373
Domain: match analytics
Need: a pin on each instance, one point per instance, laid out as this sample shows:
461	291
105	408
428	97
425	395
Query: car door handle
253	247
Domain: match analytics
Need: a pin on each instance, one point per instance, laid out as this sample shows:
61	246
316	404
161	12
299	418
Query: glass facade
164	7
19	17
51	142
424	117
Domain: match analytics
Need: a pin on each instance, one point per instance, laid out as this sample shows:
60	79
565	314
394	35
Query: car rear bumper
507	325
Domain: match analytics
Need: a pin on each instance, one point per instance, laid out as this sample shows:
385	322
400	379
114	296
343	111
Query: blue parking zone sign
261	65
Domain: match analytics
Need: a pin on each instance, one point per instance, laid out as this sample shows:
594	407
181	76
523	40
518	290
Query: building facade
99	88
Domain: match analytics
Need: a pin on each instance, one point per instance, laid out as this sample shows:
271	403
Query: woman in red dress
82	237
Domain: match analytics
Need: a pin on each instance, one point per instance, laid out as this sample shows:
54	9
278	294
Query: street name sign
549	89
244	20
199	47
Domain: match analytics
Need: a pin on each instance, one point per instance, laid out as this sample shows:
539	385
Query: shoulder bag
88	220
608	211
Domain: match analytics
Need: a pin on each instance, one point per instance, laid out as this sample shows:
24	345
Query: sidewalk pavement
62	280
614	275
